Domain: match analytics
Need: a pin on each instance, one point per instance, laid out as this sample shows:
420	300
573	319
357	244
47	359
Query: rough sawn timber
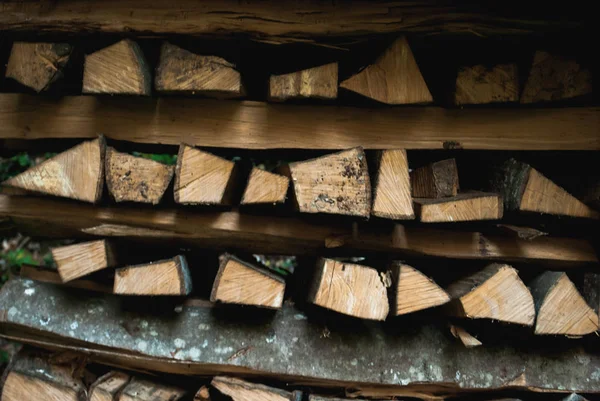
422	360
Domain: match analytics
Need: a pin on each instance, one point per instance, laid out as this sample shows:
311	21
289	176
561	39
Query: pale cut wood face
392	195
265	187
107	387
161	278
37	65
142	390
240	390
77	260
19	387
415	291
481	85
468	207
318	82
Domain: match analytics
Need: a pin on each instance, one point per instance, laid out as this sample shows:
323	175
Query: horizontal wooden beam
421	361
257	125
281	235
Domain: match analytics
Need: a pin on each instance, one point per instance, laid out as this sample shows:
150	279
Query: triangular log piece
526	189
143	390
117	69
265	187
413	291
37	65
165	277
180	70
136	179
240	390
391	187
462	207
495	292
319	82
202	178
351	289
203	394
464	336
239	282
46	275
435	180
337	184
77	173
33	378
574	397
560	307
481	85
108	386
78	260
553	78
394	78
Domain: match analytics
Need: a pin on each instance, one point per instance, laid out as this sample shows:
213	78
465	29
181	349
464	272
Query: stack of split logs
433	247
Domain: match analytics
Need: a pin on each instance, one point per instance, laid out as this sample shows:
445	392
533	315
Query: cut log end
265	188
243	283
481	85
241	390
165	277
391	188
351	289
106	387
136	179
319	82
78	260
436	180
462	207
413	291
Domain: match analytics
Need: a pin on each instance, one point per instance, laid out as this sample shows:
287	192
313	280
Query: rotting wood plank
257	125
282	235
311	359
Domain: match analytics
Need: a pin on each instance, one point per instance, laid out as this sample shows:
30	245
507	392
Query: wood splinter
240	390
106	387
462	207
203	394
165	277
464	336
319	82
265	188
481	85
391	186
143	390
239	282
413	291
78	260
435	180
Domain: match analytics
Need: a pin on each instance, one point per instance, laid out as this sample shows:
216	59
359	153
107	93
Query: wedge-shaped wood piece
394	78
318	82
136	179
435	180
108	386
481	85
349	288
464	336
265	187
560	307
165	277
34	378
180	70
337	184
526	189
239	282
413	291
203	394
117	69
495	292
554	78
202	178
240	390
78	260
37	65
144	390
77	173
462	207
391	188
47	275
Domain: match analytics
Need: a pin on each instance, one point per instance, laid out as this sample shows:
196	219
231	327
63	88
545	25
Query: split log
164	277
50	276
464	336
349	288
298	353
240	390
202	178
239	282
203	394
391	188
560	307
77	173
78	260
181	71
552	78
108	386
462	207
276	126
265	187
37	65
413	291
495	292
143	390
136	179
318	82
337	184
394	78
481	85
117	69
526	189
436	180
29	377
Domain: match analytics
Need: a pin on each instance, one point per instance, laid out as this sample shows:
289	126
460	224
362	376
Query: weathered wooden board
288	345
257	125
